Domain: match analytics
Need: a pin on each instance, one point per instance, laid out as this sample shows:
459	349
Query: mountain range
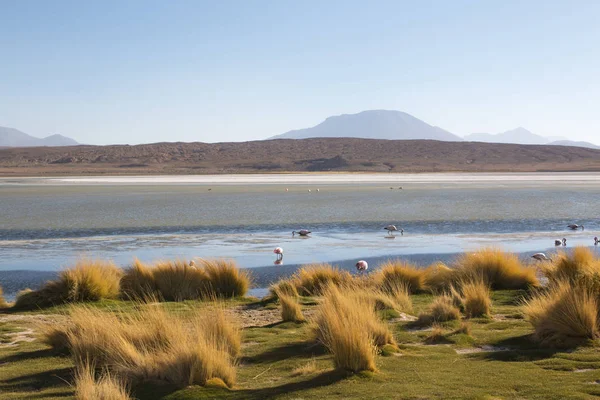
10	137
398	125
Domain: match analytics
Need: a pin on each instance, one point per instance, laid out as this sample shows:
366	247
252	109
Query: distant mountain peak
11	137
373	124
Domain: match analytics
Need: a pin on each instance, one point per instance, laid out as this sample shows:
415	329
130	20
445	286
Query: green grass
272	355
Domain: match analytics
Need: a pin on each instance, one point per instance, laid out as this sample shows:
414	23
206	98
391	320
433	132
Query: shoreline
12	281
296	178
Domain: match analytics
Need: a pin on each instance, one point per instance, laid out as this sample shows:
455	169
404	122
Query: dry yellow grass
2	301
351	330
441	309
306	369
313	279
395	274
105	387
580	265
476	301
290	307
149	344
564	314
436	335
225	277
88	280
398	300
498	269
138	282
285	286
439	277
178	281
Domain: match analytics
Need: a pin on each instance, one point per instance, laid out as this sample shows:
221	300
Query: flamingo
557	242
541	257
362	266
575	227
192	264
393	228
564	241
596	241
301	232
279	252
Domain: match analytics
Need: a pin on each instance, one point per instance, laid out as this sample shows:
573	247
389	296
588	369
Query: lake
48	223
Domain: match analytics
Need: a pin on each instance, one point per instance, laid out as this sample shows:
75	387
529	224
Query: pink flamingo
596	241
362	266
279	252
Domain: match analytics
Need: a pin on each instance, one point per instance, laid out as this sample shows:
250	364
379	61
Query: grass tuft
138	282
395	274
313	279
351	330
3	303
581	265
148	344
441	309
105	387
226	278
290	307
88	280
564	314
439	277
476	301
497	269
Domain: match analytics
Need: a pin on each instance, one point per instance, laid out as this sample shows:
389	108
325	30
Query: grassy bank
325	334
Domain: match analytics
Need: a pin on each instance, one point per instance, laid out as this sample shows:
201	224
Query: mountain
518	136
10	137
574	143
374	124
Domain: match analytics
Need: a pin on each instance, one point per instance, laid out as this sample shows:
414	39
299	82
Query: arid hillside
281	155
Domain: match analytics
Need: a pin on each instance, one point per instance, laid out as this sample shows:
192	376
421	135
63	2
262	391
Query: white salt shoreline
319	178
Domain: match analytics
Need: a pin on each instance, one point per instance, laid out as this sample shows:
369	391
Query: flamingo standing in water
362	266
596	241
557	242
541	257
279	252
392	228
301	232
575	227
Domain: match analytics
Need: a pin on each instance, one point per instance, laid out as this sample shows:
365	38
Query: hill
281	155
10	137
374	124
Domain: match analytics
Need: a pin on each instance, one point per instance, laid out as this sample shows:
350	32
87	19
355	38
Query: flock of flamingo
362	266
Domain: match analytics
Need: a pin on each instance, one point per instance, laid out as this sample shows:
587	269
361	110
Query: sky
140	71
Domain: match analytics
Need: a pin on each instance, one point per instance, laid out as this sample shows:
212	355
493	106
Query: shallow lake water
49	223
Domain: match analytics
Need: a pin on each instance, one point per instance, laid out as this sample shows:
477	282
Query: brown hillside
321	154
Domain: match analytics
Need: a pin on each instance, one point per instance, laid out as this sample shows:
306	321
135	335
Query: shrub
148	344
313	279
88	280
497	269
580	265
564	314
350	329
476	301
436	335
139	283
440	310
225	277
439	277
395	274
106	387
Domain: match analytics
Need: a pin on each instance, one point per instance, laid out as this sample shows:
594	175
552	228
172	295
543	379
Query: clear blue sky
145	71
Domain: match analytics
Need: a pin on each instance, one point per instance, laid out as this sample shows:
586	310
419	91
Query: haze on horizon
148	71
